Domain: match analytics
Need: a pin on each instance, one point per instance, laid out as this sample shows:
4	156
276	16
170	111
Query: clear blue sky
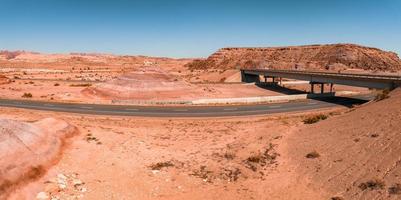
186	28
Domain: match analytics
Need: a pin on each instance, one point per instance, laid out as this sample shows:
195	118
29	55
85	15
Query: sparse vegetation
229	155
374	184
232	174
27	95
56	84
81	85
261	159
395	189
314	119
336	198
203	173
313	155
90	138
160	165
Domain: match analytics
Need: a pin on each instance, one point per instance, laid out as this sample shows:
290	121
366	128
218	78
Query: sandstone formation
27	149
4	79
310	57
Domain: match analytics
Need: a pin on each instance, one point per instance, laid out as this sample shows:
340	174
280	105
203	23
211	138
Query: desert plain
332	153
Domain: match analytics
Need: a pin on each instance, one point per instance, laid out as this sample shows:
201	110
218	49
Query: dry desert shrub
27	95
160	165
374	184
395	189
314	119
81	85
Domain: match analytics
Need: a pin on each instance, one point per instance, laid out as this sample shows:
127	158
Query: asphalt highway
186	111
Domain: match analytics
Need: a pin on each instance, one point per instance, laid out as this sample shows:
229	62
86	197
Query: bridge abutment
249	78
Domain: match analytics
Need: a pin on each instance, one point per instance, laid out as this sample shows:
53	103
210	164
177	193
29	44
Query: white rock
61	176
77	182
83	189
42	196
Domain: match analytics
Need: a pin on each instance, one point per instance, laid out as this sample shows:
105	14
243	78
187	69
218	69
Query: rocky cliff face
311	57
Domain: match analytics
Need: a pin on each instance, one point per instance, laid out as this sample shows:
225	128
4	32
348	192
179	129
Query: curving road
187	111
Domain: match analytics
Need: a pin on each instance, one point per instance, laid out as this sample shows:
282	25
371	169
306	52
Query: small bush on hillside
336	198
160	165
27	95
56	84
395	189
314	119
81	85
372	185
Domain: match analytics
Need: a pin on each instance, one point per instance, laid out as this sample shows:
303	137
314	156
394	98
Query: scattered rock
313	155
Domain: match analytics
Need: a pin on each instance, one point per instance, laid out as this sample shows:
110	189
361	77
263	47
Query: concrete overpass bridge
316	77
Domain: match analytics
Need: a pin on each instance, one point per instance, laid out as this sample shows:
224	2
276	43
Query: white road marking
86	107
181	110
230	109
131	109
312	103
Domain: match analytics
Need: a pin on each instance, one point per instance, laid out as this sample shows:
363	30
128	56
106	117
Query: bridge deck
359	80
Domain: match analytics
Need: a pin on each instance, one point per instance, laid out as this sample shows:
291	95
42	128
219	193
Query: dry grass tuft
27	95
395	189
374	184
314	119
161	165
81	85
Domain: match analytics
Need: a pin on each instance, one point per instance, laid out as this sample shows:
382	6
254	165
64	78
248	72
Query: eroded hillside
312	57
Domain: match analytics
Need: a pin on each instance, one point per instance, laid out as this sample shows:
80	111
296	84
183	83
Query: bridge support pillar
331	87
322	88
312	84
312	88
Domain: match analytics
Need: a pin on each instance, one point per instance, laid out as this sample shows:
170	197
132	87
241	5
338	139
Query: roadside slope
357	154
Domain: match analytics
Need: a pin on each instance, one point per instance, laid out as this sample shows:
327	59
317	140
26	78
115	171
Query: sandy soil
134	158
359	152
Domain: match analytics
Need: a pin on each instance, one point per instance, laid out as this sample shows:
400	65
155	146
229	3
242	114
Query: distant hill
82	60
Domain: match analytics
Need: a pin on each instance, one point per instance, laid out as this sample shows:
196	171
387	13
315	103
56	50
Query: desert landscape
341	151
200	100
